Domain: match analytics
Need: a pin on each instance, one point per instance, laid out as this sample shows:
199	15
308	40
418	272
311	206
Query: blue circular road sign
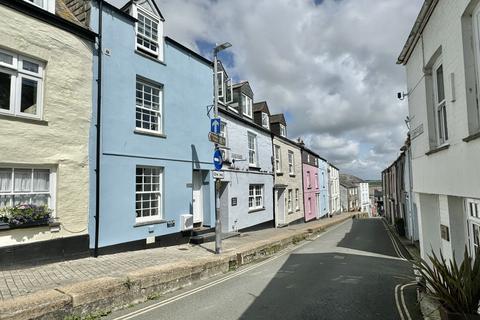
217	159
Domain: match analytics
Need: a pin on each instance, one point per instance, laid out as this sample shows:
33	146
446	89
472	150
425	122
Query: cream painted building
45	117
288	181
442	59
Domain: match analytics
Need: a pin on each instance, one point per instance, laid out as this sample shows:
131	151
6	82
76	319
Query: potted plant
455	287
4	220
400	226
28	215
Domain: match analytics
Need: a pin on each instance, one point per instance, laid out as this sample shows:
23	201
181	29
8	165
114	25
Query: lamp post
218	220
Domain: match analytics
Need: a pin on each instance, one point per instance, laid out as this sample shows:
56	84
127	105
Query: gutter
417	29
99	114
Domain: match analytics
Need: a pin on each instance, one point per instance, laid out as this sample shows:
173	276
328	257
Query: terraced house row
104	124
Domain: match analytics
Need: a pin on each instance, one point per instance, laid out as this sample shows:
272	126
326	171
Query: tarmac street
354	270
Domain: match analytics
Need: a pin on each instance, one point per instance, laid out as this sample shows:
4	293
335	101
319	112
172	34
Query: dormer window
265	120
283	130
149	29
48	5
247	104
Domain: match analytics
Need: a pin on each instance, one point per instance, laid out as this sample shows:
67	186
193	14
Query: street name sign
215	138
218	174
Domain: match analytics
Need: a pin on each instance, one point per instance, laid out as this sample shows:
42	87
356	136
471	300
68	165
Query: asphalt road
353	271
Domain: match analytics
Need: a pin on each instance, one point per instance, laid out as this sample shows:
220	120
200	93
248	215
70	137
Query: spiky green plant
456	287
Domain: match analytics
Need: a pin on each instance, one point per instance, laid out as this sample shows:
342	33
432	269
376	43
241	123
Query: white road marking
216	282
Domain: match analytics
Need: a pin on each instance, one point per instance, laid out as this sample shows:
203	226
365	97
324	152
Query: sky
329	65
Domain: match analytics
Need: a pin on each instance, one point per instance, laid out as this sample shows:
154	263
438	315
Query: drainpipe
274	174
99	113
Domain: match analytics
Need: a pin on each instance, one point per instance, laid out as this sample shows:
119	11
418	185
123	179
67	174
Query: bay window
26	186
21	85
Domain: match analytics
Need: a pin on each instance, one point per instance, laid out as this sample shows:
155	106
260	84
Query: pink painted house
311	188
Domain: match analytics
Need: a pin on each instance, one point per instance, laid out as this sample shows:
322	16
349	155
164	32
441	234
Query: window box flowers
24	216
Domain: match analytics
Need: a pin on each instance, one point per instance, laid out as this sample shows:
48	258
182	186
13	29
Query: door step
210	236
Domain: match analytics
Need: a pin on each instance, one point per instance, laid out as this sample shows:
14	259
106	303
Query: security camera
402	95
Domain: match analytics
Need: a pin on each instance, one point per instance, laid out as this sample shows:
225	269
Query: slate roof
261	106
349	181
275	118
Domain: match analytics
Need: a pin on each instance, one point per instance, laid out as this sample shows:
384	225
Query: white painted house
364	197
442	59
334	189
246	193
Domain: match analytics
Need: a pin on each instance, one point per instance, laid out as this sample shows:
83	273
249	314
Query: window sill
150	133
148	223
472	137
149	56
256	210
441	148
29	225
23	119
279	173
293	175
255	168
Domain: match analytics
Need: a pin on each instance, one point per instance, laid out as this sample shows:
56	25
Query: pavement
354	270
110	282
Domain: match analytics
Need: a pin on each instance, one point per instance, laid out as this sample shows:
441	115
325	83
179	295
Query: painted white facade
240	175
334	189
446	179
364	197
57	139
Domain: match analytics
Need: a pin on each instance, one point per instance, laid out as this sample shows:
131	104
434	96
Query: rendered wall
310	192
292	182
61	138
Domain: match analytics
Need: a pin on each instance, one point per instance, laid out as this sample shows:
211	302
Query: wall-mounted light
402	95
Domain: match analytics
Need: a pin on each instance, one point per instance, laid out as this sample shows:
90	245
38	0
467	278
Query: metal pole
218	220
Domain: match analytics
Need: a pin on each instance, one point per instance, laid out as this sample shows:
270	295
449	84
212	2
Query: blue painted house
155	158
323	185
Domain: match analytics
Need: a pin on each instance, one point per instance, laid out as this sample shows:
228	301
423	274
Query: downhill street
352	271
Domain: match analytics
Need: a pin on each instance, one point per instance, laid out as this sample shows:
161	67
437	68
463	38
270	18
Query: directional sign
218	174
215	125
215	138
217	160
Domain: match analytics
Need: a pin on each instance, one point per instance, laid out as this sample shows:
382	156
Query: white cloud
331	66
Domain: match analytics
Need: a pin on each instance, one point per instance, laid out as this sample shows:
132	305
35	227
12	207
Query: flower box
4	226
30	224
24	216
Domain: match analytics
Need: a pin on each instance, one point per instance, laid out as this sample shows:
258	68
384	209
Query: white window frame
159	193
51	193
283	130
290	201
220	84
252	152
48	5
265	120
316	180
136	10
247	105
297	198
291	162
17	73
278	159
476	41
473	221
159	112
255	195
224	133
441	120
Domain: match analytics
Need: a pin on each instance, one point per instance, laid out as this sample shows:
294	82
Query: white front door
197	197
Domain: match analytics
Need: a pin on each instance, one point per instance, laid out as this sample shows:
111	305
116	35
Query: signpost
218	175
217	139
217	160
